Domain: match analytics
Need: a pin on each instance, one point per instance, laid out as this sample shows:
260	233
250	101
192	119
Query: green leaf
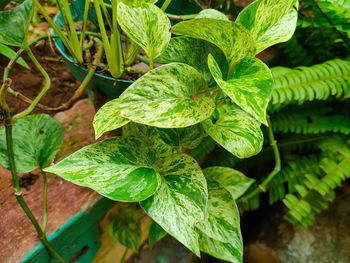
125	226
118	168
156	233
14	24
181	199
36	140
170	96
221	250
194	52
228	36
282	31
211	13
268	17
237	132
108	118
10	53
137	3
189	137
146	25
235	182
250	85
150	136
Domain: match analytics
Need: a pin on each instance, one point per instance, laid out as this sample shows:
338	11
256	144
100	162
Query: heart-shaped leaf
170	96
180	202
156	233
108	118
269	21
146	25
189	137
233	39
118	168
36	140
237	132
125	226
235	182
14	24
194	52
211	13
249	86
222	224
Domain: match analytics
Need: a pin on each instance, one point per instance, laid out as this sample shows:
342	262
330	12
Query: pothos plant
212	86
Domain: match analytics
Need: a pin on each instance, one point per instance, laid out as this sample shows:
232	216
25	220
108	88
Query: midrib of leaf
314	81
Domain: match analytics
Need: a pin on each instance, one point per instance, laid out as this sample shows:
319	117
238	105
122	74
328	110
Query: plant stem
18	193
44	222
42	92
165	5
276	170
151	64
124	255
181	17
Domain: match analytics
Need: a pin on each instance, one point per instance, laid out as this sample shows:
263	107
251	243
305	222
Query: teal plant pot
107	86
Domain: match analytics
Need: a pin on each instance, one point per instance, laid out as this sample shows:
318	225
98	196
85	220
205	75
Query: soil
30	82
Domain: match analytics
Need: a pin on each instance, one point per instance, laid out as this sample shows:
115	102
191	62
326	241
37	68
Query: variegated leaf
156	233
125	226
235	182
170	96
233	39
211	13
249	86
222	218
221	250
194	52
268	17
189	137
146	25
118	168
36	140
137	3
108	118
14	24
150	136
181	199
237	132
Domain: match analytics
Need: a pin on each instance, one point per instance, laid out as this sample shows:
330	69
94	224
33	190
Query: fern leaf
318	82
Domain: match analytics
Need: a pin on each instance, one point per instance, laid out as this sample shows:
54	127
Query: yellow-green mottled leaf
125	226
147	25
10	53
118	168
137	3
237	132
268	21
194	52
156	233
150	136
108	118
249	86
233	39
14	24
235	182
36	140
221	250
170	96
189	137
181	200
212	13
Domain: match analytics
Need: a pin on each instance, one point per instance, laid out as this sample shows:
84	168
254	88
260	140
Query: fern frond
318	82
305	122
315	193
